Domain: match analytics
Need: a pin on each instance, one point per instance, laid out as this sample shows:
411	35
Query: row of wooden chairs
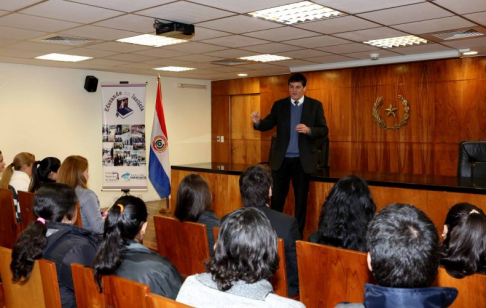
329	276
42	288
10	229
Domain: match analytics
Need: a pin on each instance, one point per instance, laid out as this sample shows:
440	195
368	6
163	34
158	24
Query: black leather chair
472	159
322	152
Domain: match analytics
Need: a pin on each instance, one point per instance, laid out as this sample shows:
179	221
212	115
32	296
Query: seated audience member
404	256
54	237
464	247
17	176
194	204
121	252
245	257
256	189
75	173
44	171
345	215
2	163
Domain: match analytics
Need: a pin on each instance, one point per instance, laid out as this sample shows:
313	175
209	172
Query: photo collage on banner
123	132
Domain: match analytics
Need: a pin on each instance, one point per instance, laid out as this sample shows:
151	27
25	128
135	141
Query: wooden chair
472	289
85	289
156	301
329	275
185	244
26	200
78	222
41	290
9	228
279	279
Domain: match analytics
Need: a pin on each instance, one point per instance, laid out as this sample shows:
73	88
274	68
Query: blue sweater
295	115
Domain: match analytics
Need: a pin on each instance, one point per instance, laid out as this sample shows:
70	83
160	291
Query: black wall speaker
91	83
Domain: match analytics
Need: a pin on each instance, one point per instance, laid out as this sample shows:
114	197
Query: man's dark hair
404	247
255	183
298	78
246	249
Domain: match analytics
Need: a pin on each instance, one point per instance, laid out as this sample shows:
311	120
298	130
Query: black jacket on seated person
142	265
287	229
68	244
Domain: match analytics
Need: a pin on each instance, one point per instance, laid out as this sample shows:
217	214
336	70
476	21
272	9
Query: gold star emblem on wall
391	111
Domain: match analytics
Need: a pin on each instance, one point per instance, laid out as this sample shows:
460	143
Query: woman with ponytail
54	237
121	251
19	172
44	171
74	171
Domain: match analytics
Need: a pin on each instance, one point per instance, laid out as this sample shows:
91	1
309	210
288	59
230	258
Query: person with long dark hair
44	171
54	237
464	246
345	215
194	204
74	171
121	251
244	259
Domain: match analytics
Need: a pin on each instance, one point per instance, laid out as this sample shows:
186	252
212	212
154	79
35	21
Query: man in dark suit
300	121
256	189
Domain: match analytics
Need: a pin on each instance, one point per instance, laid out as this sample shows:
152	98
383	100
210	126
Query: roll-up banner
123	131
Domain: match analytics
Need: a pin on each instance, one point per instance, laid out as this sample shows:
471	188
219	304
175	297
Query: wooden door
245	141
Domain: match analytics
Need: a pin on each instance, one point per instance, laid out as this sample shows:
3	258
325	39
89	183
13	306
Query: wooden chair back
279	279
41	290
26	201
156	301
185	244
78	221
9	228
329	275
85	289
472	289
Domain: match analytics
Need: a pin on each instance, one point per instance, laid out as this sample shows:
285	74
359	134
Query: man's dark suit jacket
312	117
287	229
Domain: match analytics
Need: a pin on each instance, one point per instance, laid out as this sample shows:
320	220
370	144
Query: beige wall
47	112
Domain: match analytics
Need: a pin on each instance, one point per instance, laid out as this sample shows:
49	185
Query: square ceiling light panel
295	13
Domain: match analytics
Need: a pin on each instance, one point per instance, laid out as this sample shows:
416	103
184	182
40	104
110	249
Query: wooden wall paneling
474	108
220	127
423	158
246	151
220	87
329	79
444	70
266	103
474	68
274	83
339	114
244	86
318	192
245	141
445	158
384	196
341	155
448	113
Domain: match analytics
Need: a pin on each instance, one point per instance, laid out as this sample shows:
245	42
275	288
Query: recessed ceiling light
470	53
297	13
400	41
265	58
242	75
151	40
174	68
62	57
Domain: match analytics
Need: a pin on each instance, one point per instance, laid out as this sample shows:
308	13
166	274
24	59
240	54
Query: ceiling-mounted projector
174	29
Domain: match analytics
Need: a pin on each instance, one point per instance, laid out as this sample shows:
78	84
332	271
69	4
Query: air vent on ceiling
231	62
454	35
66	40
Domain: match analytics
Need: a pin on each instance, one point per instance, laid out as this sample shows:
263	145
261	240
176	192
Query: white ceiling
224	31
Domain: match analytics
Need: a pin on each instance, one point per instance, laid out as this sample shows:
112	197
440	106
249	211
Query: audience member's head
126	220
345	214
21	162
2	162
464	247
193	198
246	249
74	172
403	247
255	186
53	202
44	171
